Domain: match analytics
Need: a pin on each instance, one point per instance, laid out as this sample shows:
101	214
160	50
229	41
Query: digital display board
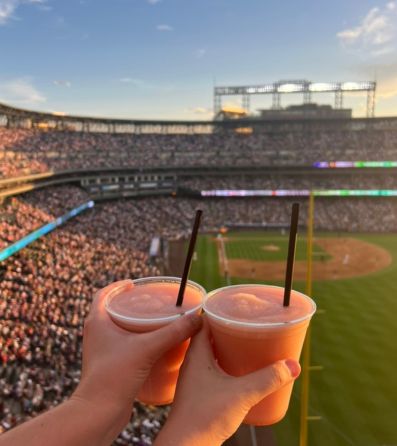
30	238
353	164
255	193
300	193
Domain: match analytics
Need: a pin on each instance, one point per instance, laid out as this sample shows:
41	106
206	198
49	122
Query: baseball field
353	391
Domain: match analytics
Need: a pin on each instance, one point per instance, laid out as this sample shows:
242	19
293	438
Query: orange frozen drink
148	304
252	329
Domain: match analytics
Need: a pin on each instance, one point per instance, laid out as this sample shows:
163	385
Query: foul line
222	254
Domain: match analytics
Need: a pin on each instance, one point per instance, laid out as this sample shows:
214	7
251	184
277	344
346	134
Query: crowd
46	289
25	151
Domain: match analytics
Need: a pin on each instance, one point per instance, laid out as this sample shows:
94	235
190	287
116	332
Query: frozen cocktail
252	329
147	304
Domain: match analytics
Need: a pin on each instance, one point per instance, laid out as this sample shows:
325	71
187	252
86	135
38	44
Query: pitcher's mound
271	248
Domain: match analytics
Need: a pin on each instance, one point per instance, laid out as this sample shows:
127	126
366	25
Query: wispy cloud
201	52
164	27
153	2
204	112
376	34
134	81
20	91
201	110
62	83
9	7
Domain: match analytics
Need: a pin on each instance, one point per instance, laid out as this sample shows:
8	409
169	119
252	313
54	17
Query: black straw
189	257
291	253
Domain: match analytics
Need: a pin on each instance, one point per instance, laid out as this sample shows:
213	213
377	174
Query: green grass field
353	339
252	246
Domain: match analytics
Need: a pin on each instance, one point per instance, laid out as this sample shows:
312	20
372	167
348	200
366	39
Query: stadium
89	201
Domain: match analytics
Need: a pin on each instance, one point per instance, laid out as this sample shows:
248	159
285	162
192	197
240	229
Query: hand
209	404
116	362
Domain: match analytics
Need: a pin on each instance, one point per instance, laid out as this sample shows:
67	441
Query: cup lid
151	320
248	324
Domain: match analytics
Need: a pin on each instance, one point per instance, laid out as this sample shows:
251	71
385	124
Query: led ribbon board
300	193
353	164
30	238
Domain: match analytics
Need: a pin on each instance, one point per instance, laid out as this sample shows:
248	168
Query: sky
160	59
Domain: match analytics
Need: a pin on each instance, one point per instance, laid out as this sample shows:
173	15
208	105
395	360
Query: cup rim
248	324
153	279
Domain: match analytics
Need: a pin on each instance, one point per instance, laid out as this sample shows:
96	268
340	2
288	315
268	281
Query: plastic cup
242	347
159	387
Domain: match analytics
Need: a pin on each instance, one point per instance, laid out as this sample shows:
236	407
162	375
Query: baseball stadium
87	201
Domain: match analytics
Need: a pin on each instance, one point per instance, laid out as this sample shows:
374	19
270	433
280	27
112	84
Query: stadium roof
37	116
15	116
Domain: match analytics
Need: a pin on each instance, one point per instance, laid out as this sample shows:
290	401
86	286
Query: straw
291	253
188	261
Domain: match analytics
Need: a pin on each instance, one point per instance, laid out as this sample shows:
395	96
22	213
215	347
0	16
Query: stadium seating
32	151
46	289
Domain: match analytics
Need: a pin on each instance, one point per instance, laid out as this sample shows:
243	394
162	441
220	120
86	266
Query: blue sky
161	58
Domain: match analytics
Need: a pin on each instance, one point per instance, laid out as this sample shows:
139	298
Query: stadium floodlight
290	88
267	88
302	86
322	86
356	86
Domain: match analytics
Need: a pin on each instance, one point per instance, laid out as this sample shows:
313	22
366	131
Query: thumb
263	382
163	339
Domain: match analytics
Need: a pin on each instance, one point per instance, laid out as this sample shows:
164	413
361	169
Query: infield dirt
350	257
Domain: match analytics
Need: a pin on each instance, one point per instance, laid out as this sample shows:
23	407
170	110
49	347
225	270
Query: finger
263	382
97	309
200	347
163	339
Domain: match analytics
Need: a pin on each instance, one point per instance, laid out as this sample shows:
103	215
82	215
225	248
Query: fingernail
294	367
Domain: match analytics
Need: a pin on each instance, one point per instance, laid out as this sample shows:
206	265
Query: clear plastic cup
242	347
159	387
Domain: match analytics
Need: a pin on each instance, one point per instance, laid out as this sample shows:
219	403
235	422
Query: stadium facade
290	146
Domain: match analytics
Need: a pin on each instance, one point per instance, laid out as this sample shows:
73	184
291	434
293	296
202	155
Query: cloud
204	112
153	2
201	110
62	83
134	81
20	91
382	51
8	8
375	35
164	27
201	52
